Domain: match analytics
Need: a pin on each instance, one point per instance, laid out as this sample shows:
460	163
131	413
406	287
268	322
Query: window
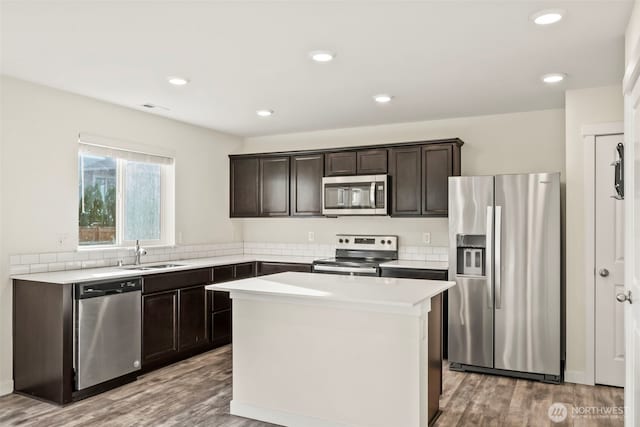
124	196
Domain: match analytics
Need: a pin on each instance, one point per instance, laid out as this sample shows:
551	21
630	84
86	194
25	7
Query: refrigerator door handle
498	256
489	256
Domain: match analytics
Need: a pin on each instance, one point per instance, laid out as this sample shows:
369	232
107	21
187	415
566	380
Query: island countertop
357	290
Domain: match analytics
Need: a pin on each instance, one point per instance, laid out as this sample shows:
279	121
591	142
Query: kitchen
50	120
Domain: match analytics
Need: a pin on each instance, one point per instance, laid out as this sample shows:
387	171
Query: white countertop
418	265
105	273
361	290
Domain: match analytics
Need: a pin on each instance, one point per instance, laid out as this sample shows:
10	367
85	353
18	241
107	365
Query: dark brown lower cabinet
193	318
159	326
221	328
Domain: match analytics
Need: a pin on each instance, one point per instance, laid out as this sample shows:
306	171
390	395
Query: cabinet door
221	328
274	186
437	167
405	175
244	187
371	162
306	185
341	163
193	317
159	326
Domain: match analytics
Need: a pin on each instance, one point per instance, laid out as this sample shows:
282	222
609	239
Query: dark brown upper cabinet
420	178
274	186
244	191
405	176
437	167
306	185
371	162
340	163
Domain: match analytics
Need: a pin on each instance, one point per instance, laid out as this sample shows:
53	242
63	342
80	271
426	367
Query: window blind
97	147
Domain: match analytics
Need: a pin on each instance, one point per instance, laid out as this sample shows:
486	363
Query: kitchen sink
153	267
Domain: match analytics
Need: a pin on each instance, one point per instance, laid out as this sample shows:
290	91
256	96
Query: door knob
624	297
603	272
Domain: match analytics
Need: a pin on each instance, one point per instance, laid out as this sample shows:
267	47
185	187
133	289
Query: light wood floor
197	392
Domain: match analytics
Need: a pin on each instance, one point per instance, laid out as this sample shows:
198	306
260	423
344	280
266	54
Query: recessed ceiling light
177	81
322	56
382	98
553	77
264	113
547	17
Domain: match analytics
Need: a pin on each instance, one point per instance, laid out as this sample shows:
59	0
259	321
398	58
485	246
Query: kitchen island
315	349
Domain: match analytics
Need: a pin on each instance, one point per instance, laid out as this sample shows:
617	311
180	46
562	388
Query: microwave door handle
372	195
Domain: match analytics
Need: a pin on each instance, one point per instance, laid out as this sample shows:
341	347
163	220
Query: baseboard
576	377
6	387
275	416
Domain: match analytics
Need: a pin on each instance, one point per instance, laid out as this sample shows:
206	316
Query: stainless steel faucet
139	252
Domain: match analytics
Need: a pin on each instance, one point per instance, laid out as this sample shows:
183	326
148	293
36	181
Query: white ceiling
439	59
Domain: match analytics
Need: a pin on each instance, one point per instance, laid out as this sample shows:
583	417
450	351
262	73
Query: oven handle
339	269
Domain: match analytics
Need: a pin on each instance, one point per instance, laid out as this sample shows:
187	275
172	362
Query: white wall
583	107
504	143
38	176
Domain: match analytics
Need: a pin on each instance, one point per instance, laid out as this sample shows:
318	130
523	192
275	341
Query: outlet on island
311	236
426	238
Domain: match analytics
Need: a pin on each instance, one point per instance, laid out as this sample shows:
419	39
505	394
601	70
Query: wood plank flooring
196	392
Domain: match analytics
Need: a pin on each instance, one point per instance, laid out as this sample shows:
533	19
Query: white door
609	262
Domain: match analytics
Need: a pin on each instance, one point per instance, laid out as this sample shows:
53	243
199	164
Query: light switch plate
311	236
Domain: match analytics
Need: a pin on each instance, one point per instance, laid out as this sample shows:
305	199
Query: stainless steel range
359	255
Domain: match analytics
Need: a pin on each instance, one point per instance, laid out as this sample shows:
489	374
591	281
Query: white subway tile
30	259
18	269
57	266
48	258
38	268
65	256
73	265
14	260
96	255
89	264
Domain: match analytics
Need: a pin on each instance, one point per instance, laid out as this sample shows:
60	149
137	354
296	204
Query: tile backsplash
93	258
59	261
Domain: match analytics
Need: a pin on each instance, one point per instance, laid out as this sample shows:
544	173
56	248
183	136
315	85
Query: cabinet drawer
223	273
179	279
245	270
280	267
414	273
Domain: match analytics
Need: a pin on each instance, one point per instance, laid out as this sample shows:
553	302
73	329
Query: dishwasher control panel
100	289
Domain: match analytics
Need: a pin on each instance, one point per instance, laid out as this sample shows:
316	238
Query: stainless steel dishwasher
107	330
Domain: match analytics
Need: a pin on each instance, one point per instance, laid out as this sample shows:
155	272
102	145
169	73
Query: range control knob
388	242
382	242
340	241
346	240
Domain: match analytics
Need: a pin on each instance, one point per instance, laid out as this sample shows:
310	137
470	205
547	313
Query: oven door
354	195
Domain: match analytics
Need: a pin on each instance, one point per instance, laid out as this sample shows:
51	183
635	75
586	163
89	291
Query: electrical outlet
311	236
62	237
426	238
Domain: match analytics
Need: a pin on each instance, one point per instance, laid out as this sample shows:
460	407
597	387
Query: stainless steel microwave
355	195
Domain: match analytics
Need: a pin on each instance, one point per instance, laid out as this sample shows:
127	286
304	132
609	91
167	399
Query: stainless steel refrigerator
504	254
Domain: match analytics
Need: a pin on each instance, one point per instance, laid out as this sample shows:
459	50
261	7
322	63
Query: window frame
167	207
